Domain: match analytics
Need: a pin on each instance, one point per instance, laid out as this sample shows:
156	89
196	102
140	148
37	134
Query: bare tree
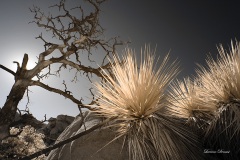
74	34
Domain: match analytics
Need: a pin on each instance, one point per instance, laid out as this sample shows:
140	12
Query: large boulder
97	145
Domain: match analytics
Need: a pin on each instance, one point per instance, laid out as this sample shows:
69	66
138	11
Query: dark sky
188	29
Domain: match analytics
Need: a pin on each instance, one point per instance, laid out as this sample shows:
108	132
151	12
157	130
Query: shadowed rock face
51	130
55	127
93	146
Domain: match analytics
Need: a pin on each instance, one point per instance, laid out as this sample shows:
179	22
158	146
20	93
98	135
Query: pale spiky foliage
221	79
188	103
136	98
221	87
132	92
186	98
218	82
223	132
214	99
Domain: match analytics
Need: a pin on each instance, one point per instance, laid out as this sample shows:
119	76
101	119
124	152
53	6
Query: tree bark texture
8	111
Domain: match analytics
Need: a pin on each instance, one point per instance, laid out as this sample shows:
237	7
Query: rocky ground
99	144
52	128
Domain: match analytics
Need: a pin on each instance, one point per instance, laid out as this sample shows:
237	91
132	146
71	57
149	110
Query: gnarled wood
81	34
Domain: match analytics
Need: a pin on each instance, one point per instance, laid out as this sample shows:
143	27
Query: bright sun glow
19	57
30	65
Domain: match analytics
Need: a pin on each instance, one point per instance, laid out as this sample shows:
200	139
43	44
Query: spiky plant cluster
188	103
221	79
135	96
224	91
216	93
223	133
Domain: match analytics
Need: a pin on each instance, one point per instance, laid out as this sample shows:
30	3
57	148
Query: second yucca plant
221	82
135	97
212	101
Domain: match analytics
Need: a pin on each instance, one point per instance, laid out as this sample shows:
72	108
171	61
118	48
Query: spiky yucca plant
188	103
135	97
221	81
221	78
216	93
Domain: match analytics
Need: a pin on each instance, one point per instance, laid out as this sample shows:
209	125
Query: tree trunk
7	113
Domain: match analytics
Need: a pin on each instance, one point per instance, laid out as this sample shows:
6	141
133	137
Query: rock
27	119
55	127
97	145
65	118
